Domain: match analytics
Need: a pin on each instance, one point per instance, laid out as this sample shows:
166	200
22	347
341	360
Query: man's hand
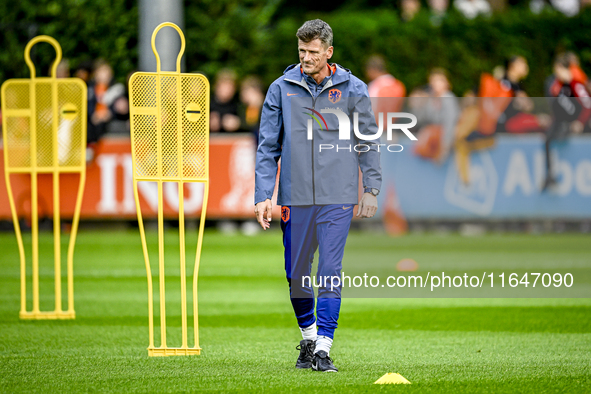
263	213
367	206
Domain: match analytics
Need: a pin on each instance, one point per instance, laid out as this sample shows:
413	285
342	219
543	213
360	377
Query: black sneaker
306	348
323	363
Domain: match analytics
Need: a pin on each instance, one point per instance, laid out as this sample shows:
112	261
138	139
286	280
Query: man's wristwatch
371	190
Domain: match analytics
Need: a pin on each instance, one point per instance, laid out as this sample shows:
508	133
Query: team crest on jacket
285	214
334	95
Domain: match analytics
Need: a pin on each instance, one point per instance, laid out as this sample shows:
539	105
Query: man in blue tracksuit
301	123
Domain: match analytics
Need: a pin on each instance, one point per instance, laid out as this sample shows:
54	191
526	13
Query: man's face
313	56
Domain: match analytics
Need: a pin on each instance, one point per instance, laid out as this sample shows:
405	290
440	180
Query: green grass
248	332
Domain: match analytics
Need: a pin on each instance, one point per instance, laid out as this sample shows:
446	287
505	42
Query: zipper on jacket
305	85
313	177
326	86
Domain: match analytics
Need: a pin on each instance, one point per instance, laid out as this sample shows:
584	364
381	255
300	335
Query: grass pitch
248	332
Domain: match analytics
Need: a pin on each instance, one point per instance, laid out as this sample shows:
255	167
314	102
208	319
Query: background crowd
435	58
499	103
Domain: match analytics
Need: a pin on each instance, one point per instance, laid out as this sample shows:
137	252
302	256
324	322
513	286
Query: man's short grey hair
314	29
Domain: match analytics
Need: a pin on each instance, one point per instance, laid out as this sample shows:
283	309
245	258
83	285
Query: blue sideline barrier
505	182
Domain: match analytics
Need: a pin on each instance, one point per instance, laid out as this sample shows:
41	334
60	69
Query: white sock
309	333
323	343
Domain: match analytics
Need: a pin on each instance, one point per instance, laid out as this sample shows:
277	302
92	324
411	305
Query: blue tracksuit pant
306	229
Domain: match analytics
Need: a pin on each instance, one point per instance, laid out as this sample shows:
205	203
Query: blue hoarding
505	182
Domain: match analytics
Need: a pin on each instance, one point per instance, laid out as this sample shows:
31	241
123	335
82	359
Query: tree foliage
85	29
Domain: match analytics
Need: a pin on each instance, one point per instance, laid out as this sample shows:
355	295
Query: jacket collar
293	74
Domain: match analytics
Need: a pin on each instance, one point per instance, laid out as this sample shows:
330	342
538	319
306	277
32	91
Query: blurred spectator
83	71
437	111
438	11
576	70
519	118
480	117
224	106
516	116
409	8
516	70
466	127
571	109
567	7
107	100
251	100
536	6
63	69
386	92
472	8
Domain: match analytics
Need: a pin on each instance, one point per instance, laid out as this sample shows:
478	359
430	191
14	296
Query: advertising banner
109	190
505	182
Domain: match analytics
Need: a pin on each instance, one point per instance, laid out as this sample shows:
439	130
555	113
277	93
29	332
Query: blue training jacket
312	173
